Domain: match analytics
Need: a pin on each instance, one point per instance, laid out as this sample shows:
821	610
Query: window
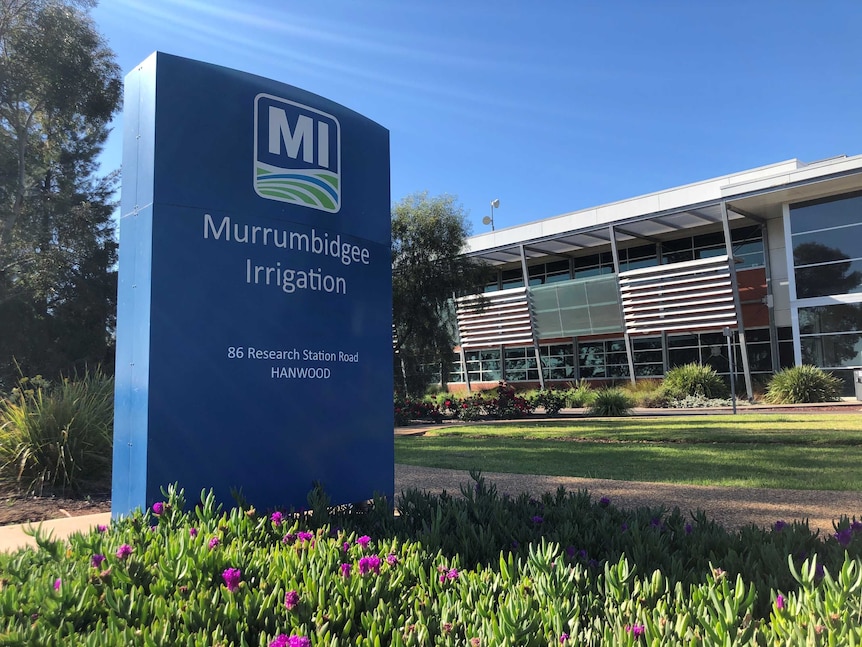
604	359
827	246
549	272
831	336
558	363
484	365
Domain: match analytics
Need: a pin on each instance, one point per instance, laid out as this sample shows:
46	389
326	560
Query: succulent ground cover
480	569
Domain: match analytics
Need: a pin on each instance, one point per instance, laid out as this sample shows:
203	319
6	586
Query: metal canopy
654	227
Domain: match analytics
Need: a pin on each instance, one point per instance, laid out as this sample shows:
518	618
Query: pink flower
368	564
193	532
291	599
391	559
102	528
779	602
213	543
636	630
158	508
124	551
276	518
345	570
96	560
363	541
57	583
232	577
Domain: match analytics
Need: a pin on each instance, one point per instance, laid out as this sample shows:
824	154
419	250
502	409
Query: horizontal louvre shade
495	318
679	296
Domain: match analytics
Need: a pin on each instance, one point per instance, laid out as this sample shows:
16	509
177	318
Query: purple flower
101	528
276	517
289	538
124	551
636	630
280	641
298	641
368	564
213	542
604	502
624	527
537	519
391	559
844	536
291	599
345	570
779	602
57	583
563	638
515	544
305	536
232	577
570	551
193	532
688	528
655	522
779	525
158	508
363	541
97	559
856	526
345	547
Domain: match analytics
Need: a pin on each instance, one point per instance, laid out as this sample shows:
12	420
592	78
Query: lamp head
495	203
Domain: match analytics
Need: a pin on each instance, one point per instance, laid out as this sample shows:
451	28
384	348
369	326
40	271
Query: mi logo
297	154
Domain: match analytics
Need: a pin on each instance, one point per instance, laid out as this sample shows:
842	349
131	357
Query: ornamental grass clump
801	384
58	435
694	380
611	402
477	569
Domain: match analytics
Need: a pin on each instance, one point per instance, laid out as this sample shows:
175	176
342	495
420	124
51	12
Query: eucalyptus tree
429	268
59	88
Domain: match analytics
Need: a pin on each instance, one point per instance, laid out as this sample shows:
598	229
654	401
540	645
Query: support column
626	337
526	275
737	306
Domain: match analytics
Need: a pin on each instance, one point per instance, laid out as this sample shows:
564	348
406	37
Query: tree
428	270
59	88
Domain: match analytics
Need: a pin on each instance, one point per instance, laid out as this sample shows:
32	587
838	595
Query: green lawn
805	452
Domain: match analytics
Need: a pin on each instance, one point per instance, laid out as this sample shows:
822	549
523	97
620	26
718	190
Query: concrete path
15	537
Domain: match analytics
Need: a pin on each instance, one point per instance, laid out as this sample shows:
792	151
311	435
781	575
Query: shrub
801	384
58	435
611	402
694	379
550	400
506	404
407	409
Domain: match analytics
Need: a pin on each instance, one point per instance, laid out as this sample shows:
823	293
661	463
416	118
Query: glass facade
831	336
827	246
577	307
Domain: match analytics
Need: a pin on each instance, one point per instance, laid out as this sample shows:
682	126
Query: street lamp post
495	203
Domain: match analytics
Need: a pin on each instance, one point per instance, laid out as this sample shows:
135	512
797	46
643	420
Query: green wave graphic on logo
318	189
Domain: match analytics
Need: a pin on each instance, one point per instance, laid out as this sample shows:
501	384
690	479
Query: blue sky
551	106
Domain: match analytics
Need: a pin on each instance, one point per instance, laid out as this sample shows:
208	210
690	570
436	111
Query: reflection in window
483	365
827	246
831	336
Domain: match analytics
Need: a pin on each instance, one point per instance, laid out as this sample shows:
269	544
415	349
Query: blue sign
254	335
